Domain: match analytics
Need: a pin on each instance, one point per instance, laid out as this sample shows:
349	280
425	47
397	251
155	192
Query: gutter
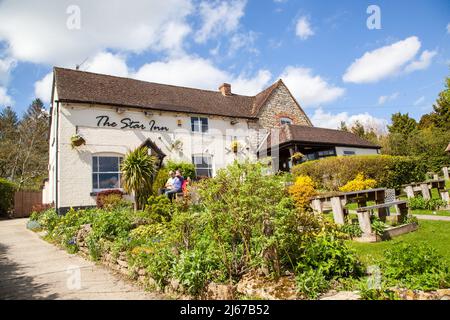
57	158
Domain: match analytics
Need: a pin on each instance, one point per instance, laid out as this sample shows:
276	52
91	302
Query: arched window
106	172
285	120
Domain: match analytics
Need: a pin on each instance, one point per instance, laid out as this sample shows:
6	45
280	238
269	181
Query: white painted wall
75	164
358	151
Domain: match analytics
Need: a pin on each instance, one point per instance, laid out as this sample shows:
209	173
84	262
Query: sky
342	60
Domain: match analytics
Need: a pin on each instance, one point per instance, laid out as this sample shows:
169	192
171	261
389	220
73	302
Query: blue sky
336	66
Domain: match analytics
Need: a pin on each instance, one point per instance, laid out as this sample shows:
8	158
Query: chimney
225	88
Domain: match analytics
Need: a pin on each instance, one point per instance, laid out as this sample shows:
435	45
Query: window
203	165
199	124
348	153
285	121
106	172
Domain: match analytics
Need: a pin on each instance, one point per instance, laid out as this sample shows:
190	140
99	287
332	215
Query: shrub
312	283
7	189
416	266
377	225
48	219
359	183
302	191
389	171
41	207
160	180
193	269
144	233
352	229
160	208
111	224
331	256
187	169
419	203
108	197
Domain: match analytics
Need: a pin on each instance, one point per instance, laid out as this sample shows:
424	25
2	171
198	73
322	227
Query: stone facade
281	104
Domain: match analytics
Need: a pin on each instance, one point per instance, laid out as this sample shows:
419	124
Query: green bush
331	256
187	169
111	224
377	225
312	283
416	266
419	203
48	219
352	229
193	269
7	189
160	180
389	171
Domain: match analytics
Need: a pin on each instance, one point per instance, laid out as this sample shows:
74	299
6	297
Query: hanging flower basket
234	146
297	156
177	145
77	140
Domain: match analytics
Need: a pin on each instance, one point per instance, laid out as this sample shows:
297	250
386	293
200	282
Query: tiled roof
87	87
315	135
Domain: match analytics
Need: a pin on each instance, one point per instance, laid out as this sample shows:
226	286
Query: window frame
119	158
199	123
290	121
209	164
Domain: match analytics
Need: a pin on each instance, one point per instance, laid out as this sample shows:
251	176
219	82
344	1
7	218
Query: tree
402	124
138	169
343	126
441	118
8	135
30	166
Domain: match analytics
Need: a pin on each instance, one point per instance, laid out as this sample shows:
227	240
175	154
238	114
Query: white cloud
448	28
43	88
5	99
419	101
218	18
384	99
325	119
200	73
310	90
382	62
243	41
108	63
6	65
303	28
39	33
423	62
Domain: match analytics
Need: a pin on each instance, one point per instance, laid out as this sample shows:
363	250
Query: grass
433	233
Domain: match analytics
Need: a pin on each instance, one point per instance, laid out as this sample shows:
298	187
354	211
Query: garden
246	234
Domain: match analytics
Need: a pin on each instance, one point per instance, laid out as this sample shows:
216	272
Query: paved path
431	217
31	268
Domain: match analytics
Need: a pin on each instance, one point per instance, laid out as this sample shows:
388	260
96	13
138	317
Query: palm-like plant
138	169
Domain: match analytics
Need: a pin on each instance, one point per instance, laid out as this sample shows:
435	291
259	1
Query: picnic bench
337	201
425	187
364	214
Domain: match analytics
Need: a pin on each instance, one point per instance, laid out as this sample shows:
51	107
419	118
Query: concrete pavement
31	268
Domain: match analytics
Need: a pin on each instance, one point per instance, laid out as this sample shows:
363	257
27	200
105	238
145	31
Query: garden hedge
7	189
389	171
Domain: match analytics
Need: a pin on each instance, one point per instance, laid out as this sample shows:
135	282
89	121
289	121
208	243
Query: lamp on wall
179	122
233	122
148	113
120	110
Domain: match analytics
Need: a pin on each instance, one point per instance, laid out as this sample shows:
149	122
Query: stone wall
281	104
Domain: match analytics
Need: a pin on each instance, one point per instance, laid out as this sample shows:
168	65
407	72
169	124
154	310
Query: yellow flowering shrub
302	191
359	183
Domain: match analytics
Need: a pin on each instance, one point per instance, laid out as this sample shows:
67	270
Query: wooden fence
24	201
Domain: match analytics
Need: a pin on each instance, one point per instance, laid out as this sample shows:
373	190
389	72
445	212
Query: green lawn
434	233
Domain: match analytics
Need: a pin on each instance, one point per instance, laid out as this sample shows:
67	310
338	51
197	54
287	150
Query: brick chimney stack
225	88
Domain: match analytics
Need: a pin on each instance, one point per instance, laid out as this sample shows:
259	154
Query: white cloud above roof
303	28
309	89
386	61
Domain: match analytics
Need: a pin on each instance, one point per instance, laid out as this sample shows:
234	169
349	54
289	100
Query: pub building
96	119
